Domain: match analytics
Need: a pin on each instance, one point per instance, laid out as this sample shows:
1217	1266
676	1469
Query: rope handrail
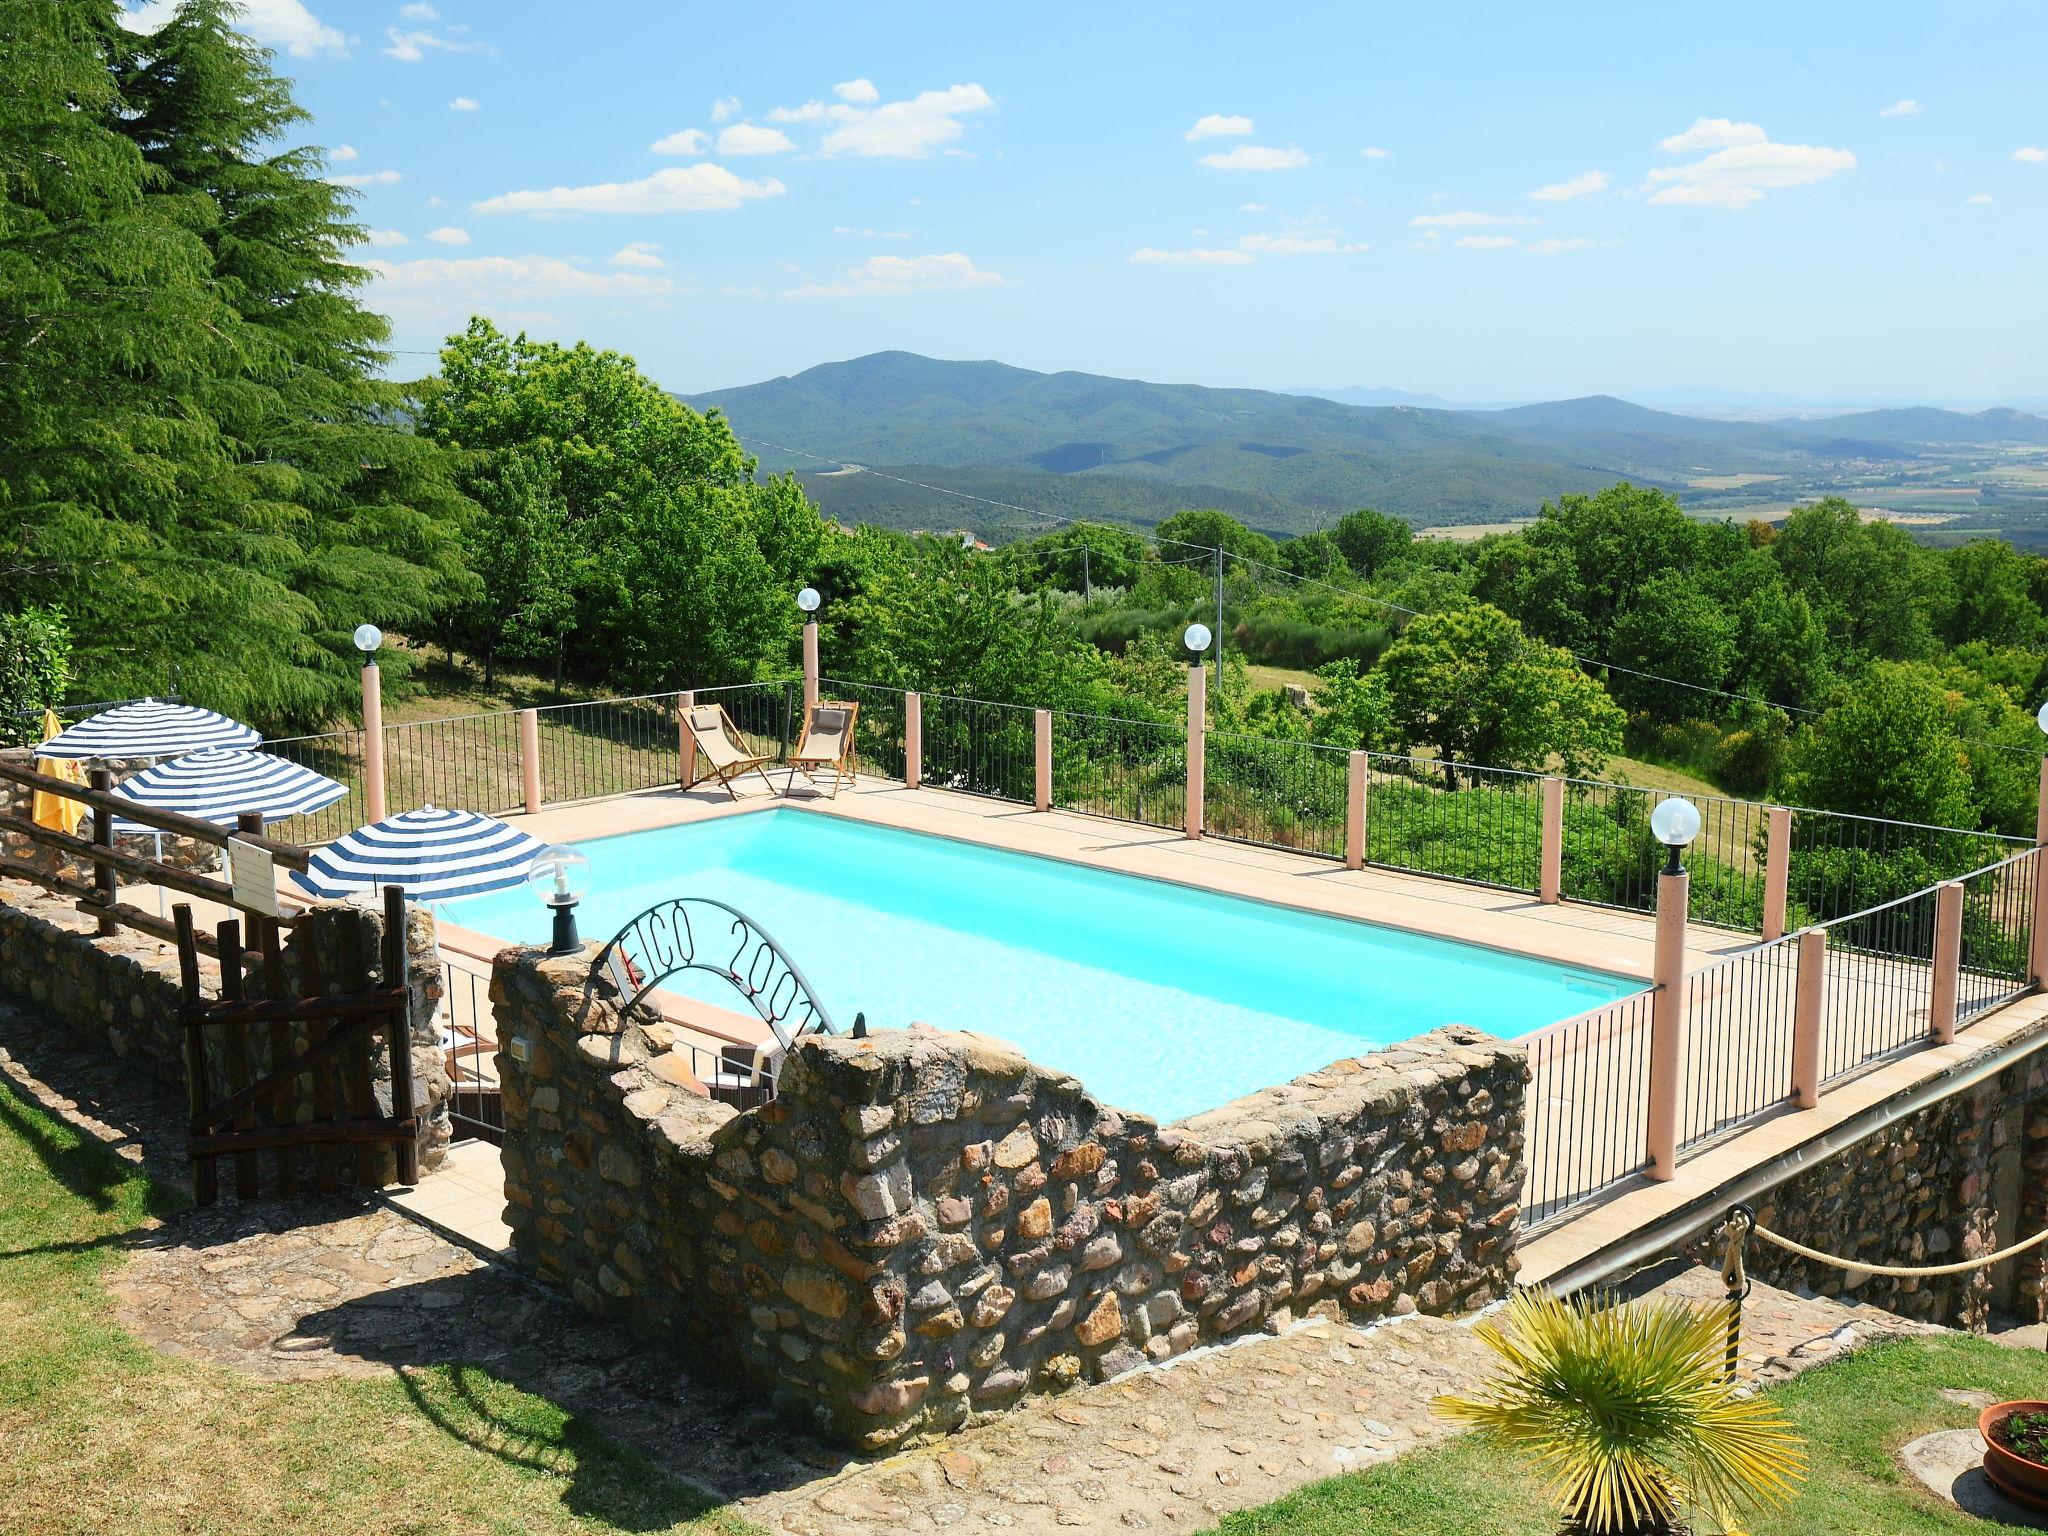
1899	1271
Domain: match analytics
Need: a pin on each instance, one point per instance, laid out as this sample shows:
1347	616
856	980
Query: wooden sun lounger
719	743
827	743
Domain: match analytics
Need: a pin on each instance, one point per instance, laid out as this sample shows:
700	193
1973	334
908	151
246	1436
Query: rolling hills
1078	444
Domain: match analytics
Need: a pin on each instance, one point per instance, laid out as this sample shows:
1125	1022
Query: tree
1207	530
1314	555
1353	709
35	664
1878	593
1889	748
657	560
1995	599
1671	630
1471	684
1080	557
203	470
1371	541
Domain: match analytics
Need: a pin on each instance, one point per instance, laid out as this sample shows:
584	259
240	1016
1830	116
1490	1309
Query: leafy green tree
1207	530
1888	748
1314	555
1670	630
1371	541
1353	709
1878	593
1995	596
1781	645
657	560
202	469
1471	684
35	665
1078	558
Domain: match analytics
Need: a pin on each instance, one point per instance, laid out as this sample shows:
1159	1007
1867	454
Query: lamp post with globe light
809	601
560	877
1196	638
368	639
1675	823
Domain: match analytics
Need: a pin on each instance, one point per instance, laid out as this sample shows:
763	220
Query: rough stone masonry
924	1226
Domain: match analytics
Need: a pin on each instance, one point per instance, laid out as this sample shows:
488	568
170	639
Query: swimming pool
1160	998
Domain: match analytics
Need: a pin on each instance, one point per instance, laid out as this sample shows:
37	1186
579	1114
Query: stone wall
122	992
1916	1192
924	1226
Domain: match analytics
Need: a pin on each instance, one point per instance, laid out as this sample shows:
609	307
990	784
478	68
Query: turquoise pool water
1161	999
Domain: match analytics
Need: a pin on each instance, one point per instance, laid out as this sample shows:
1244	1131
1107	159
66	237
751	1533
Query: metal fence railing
1998	934
979	747
1610	857
767	714
608	746
1127	770
1588	1106
1843	864
1281	793
1739	1015
470	762
1485	826
1879	986
340	755
469	1040
878	746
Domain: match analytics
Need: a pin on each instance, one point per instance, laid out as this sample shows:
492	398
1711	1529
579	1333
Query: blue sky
1489	202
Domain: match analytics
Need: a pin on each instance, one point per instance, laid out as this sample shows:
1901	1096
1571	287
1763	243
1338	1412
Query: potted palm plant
1624	1409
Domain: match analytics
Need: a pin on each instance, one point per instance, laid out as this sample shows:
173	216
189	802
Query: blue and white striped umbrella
432	855
219	783
148	728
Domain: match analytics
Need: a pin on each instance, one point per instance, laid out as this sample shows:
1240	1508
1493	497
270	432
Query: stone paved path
345	1288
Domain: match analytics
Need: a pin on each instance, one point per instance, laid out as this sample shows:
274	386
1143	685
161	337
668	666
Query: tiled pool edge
925	1226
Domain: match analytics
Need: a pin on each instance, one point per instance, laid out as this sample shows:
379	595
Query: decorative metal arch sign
695	933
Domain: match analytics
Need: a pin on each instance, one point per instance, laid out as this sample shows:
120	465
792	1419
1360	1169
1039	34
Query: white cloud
950	273
384	238
809	112
1255	157
1907	108
448	234
409	47
1486	242
1217	126
1254	207
341	154
463	104
1298	245
366	179
753	139
1563	246
1465	218
861	92
1712	133
1740	174
2030	155
510	289
687	141
419	10
1585	184
285	24
725	108
1374	152
1978	197
679	189
904	130
638	253
871	234
1195	258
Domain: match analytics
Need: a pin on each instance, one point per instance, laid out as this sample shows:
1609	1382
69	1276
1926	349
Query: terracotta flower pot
2015	1476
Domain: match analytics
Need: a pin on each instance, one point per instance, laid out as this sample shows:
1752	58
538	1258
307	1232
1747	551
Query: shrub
35	666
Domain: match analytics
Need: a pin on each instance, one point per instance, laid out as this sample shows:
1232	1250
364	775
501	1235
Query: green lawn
99	1433
1854	1414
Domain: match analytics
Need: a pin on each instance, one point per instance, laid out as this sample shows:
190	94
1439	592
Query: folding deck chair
722	747
827	743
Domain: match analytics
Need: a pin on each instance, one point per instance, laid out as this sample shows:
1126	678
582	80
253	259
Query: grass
1854	1414
101	1433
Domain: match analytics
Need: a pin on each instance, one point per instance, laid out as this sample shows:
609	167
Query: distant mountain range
1138	450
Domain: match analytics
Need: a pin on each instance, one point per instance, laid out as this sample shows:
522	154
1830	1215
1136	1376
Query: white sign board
254	878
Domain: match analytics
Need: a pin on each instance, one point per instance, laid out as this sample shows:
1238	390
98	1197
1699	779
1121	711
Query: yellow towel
54	811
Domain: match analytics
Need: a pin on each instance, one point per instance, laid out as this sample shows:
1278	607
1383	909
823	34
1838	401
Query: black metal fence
1880	985
1483	825
1588	1107
878	740
1739	1017
980	748
1283	794
1128	770
608	746
1998	934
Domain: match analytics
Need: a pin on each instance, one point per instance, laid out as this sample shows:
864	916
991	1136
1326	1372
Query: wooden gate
318	1092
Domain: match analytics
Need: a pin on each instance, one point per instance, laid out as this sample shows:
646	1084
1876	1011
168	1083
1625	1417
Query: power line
1346	592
